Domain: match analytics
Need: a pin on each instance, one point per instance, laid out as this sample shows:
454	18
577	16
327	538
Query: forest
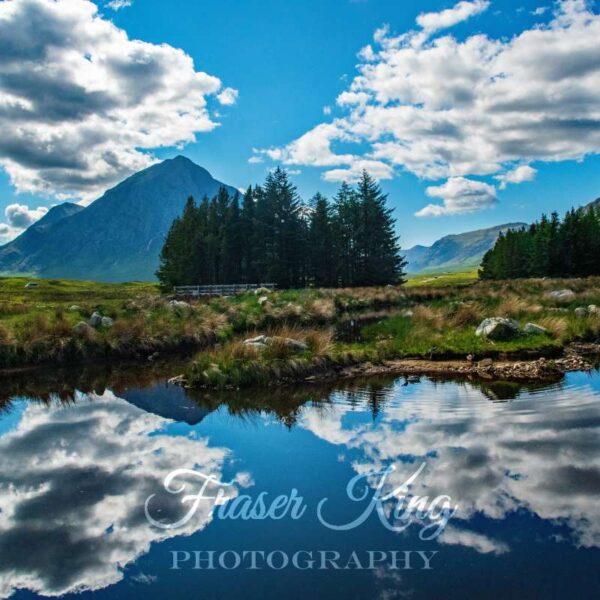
270	235
550	247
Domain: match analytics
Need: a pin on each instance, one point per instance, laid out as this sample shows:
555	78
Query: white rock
95	320
533	328
581	312
107	322
562	295
497	328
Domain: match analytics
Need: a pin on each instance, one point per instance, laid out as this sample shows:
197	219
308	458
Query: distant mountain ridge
119	236
452	252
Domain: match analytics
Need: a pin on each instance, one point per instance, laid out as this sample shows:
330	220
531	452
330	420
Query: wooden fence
195	291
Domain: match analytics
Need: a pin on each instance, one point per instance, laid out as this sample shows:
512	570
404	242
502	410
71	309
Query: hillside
453	252
119	236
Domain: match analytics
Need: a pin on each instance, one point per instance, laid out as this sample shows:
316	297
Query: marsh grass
36	324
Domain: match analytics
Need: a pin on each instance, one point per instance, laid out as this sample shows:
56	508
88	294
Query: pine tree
379	254
322	253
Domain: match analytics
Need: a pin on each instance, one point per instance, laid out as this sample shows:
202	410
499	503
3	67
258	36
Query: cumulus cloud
460	195
228	96
540	10
82	105
462	11
443	108
21	216
517	175
119	4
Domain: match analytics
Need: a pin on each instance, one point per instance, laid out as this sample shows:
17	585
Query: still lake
81	452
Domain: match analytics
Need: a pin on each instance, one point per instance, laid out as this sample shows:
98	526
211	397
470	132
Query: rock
259	339
581	312
486	362
154	356
562	295
95	320
593	309
177	380
260	342
532	328
75	308
263	300
470	357
407	313
106	322
295	345
82	329
179	304
498	328
262	290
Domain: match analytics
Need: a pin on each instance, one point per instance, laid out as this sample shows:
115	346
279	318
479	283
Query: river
84	507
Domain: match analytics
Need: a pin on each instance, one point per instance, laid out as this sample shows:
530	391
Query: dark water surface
79	459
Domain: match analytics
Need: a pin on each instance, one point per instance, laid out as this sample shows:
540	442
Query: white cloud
517	175
119	4
441	108
540	10
8	233
82	105
228	96
21	216
327	110
255	159
377	169
460	195
434	21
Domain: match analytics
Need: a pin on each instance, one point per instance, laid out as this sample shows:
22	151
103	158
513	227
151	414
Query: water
80	459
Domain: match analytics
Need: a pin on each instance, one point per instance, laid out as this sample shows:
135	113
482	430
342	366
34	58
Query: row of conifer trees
548	248
269	235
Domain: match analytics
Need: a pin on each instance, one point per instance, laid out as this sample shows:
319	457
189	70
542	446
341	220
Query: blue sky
289	60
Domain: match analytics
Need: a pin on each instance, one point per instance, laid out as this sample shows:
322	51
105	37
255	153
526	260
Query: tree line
269	235
548	248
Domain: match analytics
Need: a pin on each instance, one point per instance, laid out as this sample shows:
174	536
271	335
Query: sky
470	113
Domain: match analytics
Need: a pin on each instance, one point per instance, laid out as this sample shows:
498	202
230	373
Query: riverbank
60	323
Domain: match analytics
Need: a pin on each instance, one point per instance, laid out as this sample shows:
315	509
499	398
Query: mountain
119	236
593	204
16	253
452	252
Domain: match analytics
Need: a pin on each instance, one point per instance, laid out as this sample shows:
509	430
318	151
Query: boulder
593	309
259	339
179	304
107	322
581	312
75	308
486	362
82	329
295	345
532	328
562	295
95	320
498	328
260	342
263	300
262	290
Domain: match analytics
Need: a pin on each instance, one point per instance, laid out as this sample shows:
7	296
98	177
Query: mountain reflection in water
83	449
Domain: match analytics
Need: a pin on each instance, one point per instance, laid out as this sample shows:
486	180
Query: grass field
442	278
431	316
